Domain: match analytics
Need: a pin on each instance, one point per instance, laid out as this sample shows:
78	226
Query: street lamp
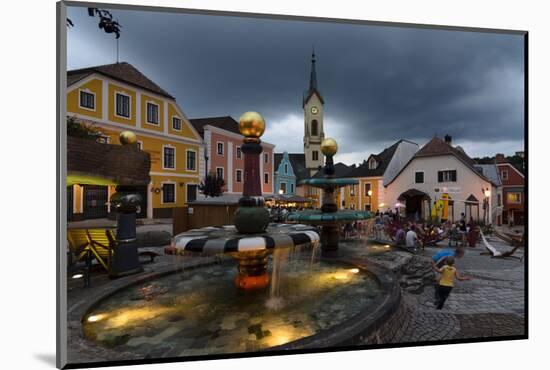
487	194
281	191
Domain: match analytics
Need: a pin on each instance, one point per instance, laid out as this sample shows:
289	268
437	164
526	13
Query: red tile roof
122	71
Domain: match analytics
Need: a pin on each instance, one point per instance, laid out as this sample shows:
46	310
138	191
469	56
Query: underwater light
77	276
95	318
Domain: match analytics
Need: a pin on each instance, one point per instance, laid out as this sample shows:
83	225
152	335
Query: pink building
223	153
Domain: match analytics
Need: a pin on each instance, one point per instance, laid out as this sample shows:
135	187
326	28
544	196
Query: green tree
212	186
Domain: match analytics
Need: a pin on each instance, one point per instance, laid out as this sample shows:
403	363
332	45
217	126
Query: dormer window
372	164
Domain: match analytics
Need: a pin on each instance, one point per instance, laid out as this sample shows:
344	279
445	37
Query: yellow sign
445	212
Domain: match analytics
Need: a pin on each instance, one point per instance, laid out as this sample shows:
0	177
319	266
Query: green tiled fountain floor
201	312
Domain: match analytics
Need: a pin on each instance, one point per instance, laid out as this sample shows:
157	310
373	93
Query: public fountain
329	217
197	310
251	240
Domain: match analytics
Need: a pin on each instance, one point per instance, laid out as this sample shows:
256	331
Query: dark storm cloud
380	84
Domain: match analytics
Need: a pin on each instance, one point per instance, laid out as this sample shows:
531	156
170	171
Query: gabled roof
491	172
122	71
438	147
298	162
225	123
340	170
383	159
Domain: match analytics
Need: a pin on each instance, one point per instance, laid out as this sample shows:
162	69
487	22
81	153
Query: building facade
118	97
373	173
223	142
513	191
285	179
436	169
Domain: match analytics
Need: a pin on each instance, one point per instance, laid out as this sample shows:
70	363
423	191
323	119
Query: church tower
313	123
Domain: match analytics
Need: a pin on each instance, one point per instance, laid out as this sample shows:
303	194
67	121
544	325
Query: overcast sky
380	84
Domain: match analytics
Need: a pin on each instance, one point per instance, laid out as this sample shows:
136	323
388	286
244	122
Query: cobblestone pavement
492	304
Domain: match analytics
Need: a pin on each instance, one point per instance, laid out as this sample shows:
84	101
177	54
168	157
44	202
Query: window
446	176
168	193
219	172
352	190
367	188
514	198
283	187
238	152
315	155
367	207
122	105
239	176
266	178
153	113
499	200
220	148
419	177
286	168
504	175
314	128
191	160
266	158
291	188
191	192
176	123
372	164
87	100
140	145
169	157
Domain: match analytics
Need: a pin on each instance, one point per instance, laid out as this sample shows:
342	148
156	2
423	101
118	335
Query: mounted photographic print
236	185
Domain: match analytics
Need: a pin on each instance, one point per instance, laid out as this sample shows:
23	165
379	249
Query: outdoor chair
101	244
79	255
496	254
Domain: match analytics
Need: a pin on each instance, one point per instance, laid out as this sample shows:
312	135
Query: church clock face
314	110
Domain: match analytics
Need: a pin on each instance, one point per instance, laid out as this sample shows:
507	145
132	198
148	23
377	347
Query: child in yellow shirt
446	282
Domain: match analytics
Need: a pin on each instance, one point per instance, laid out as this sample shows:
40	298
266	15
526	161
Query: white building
439	168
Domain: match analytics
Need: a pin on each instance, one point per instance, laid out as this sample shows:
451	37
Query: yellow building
118	97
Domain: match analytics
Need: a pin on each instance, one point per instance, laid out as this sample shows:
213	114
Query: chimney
448	139
499	158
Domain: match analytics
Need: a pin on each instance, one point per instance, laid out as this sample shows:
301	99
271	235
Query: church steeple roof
313	86
313	76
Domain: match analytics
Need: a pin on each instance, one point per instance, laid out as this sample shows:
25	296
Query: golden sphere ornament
329	146
251	125
127	137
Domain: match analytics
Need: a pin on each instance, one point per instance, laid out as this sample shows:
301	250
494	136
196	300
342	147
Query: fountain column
252	217
330	232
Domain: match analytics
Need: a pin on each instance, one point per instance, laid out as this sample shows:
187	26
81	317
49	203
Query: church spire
313	86
313	76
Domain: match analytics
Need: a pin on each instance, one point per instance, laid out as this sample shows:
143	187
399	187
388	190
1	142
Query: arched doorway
471	208
417	204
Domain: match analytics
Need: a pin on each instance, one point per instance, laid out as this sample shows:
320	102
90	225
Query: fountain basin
329	182
196	312
316	217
